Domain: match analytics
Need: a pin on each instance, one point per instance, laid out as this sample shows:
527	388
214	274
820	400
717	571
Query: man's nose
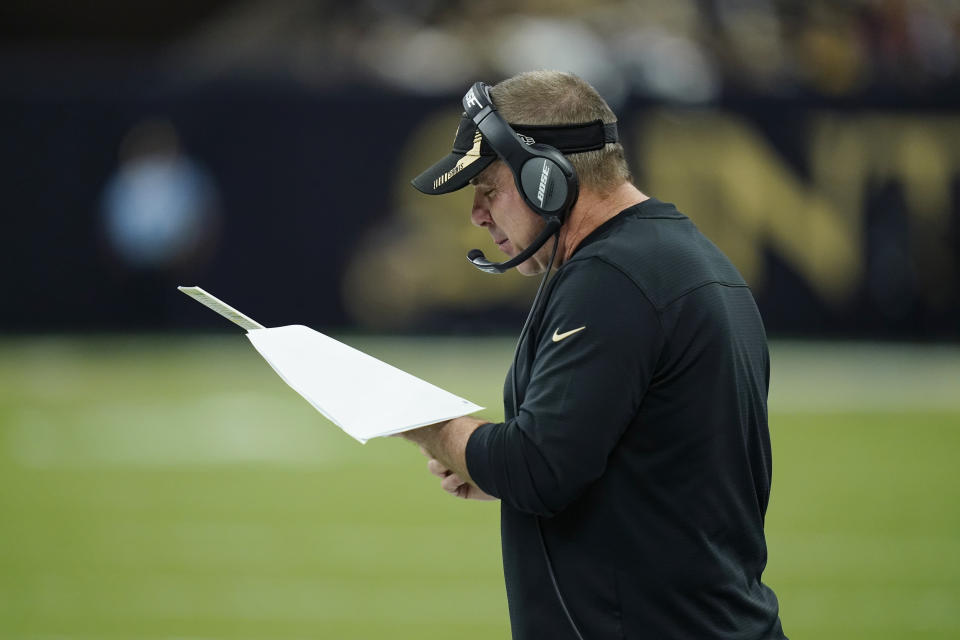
480	215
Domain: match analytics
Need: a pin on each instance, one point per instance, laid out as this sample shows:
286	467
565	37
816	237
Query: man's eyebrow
482	181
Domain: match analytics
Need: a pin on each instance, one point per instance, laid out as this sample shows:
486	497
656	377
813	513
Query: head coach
633	466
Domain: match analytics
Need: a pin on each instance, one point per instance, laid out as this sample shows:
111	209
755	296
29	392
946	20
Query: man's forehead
489	175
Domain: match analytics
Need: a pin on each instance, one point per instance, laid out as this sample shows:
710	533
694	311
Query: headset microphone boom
477	259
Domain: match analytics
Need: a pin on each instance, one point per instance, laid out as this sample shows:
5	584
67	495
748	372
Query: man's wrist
447	442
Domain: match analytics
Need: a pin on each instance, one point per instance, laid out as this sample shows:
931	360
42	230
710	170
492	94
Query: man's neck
591	211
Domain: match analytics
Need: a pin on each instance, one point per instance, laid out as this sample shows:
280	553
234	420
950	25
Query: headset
548	184
545	178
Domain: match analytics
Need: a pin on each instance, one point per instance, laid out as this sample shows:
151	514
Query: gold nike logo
557	336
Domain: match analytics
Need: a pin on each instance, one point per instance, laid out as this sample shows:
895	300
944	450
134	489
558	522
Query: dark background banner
845	218
263	150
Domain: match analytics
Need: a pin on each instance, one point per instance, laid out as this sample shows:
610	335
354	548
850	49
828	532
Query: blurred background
158	480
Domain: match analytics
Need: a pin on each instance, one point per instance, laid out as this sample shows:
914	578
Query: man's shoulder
659	249
636	231
589	277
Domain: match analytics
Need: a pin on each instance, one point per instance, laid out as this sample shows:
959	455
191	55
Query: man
633	467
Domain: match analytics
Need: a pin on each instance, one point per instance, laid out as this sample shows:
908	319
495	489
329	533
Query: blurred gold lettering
920	153
719	170
742	193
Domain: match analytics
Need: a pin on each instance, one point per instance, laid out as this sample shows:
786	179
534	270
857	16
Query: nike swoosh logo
557	336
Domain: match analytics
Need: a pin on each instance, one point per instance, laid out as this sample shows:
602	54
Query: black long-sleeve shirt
640	442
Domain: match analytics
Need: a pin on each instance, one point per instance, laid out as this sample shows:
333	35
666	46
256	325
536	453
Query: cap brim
451	173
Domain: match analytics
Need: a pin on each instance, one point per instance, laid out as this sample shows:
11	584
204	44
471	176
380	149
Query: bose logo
471	98
525	139
541	190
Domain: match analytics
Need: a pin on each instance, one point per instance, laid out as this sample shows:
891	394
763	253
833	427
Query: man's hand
447	442
445	445
451	482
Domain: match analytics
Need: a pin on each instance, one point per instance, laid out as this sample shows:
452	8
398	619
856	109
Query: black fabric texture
641	442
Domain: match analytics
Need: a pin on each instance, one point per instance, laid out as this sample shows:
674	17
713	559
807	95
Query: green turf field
176	488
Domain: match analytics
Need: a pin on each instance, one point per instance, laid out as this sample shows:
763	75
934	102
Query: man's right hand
451	482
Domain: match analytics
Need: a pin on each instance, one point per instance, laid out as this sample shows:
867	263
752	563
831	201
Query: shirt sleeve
585	389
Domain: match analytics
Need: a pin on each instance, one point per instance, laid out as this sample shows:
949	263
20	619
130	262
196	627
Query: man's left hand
446	442
452	483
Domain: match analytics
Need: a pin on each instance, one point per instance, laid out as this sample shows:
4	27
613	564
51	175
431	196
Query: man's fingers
451	483
437	468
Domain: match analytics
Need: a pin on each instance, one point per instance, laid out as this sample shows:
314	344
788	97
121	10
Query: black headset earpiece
544	177
548	182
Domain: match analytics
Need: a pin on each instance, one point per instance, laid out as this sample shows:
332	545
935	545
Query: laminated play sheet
362	395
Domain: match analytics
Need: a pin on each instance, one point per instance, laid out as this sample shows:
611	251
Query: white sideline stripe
823	377
220	428
252	427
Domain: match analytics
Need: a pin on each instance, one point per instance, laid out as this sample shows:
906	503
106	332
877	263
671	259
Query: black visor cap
472	154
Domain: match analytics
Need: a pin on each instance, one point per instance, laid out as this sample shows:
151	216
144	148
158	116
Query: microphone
477	259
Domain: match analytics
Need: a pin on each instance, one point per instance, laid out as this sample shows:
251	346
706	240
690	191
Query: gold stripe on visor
468	158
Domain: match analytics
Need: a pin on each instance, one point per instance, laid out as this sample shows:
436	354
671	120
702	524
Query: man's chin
529	267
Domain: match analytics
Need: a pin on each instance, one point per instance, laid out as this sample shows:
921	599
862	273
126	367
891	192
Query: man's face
498	206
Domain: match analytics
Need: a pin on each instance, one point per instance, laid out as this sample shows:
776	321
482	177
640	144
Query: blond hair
556	97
